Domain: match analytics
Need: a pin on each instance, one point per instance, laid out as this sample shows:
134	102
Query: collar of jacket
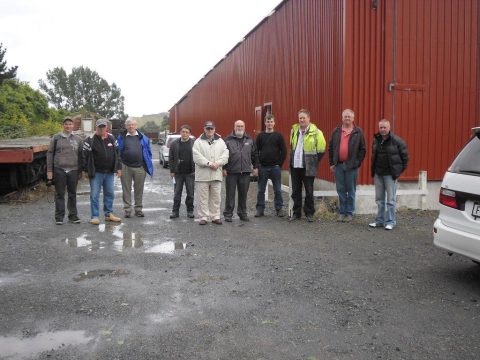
233	136
378	136
215	137
311	128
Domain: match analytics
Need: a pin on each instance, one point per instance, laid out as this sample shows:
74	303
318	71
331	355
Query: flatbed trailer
23	162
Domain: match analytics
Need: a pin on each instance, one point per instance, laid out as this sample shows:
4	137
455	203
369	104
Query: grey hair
348	111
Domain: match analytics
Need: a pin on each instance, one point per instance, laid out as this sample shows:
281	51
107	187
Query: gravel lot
152	288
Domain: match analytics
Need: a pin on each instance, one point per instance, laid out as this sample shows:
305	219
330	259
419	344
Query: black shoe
295	217
259	213
74	219
139	213
228	218
310	218
280	213
190	214
174	215
244	217
59	221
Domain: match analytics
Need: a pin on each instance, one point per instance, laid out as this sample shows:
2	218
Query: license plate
476	210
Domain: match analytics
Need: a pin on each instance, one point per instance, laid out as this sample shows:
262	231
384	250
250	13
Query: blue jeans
100	180
346	181
385	197
273	173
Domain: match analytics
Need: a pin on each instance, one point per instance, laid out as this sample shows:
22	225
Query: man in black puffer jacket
389	161
242	161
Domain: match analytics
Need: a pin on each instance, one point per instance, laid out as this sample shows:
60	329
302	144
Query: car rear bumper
456	241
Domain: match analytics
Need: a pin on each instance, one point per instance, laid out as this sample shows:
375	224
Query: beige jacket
205	153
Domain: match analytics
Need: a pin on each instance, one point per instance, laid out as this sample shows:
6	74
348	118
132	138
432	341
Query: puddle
83	241
167	247
21	348
99	274
130	240
123	240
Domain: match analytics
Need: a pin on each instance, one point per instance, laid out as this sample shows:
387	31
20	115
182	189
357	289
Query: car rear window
468	161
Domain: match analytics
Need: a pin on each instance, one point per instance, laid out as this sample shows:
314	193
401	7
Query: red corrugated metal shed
412	62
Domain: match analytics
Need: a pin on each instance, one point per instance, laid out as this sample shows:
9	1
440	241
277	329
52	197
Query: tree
150	127
24	111
83	89
6	73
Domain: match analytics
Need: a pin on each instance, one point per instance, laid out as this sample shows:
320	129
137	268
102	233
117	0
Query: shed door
430	72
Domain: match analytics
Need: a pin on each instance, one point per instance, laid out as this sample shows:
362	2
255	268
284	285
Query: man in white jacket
209	155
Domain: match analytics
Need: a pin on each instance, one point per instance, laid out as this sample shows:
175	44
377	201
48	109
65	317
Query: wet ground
153	288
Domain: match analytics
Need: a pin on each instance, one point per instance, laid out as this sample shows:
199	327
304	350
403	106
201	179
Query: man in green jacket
307	147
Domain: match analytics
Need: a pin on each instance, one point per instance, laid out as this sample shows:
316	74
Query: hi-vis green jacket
313	148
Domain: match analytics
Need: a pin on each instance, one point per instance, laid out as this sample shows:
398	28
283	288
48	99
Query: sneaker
310	218
190	214
259	213
95	221
228	218
202	222
375	225
341	218
112	218
174	215
139	213
389	227
59	222
348	218
281	213
128	214
244	217
217	222
74	219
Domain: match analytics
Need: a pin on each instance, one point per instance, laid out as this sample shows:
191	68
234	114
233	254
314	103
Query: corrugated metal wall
332	54
428	50
292	60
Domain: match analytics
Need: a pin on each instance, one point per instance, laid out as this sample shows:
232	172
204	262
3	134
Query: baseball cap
101	122
67	118
209	123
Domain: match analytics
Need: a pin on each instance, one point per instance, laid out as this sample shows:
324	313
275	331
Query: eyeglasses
209	128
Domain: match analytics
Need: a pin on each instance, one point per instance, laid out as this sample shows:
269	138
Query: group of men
201	165
101	156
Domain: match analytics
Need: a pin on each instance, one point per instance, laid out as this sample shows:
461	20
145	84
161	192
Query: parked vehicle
457	228
165	148
23	162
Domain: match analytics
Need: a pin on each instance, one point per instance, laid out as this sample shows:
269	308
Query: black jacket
397	154
93	145
242	154
356	148
173	160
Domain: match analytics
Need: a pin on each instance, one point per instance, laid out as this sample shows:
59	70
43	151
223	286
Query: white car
457	228
165	148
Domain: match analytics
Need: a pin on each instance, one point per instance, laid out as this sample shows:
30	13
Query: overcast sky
155	51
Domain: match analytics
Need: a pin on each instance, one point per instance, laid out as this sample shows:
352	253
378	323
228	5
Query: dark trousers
299	178
189	181
64	180
241	183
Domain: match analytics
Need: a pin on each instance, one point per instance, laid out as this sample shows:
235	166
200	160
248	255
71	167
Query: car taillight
448	198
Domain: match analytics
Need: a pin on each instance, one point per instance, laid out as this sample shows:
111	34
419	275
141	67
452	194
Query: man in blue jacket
136	157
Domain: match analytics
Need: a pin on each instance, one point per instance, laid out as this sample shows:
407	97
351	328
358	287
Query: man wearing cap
182	170
136	157
101	162
64	169
242	161
209	155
